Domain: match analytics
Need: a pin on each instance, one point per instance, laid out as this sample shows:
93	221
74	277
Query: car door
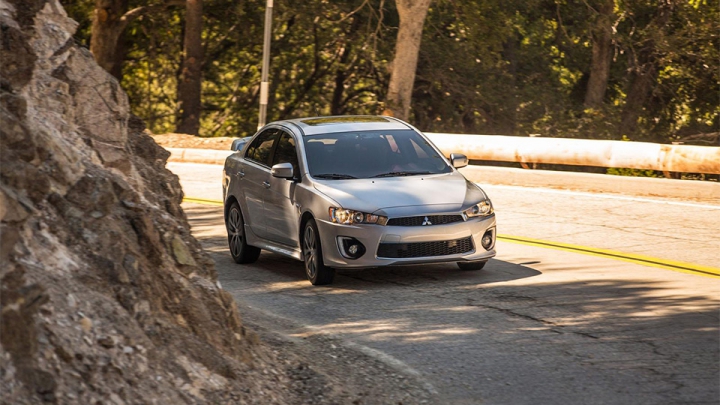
255	178
281	213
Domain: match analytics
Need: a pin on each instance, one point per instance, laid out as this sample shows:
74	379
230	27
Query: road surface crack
554	326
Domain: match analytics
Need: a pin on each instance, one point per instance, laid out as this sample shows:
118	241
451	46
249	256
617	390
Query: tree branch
350	14
133	14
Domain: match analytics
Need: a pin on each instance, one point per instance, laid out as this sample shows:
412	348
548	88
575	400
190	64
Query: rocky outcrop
106	297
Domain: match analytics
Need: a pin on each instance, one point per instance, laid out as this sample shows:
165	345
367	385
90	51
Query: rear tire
240	251
317	272
471	266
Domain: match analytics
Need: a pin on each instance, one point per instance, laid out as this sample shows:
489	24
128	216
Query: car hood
404	196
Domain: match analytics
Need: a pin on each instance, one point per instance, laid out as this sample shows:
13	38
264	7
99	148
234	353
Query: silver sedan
353	192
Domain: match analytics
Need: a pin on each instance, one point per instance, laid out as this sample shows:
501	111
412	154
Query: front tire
240	251
471	266
315	269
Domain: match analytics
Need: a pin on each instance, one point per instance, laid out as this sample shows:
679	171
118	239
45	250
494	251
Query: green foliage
81	11
631	172
503	67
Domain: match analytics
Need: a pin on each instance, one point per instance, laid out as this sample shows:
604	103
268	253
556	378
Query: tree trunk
190	81
601	55
110	18
510	54
412	18
643	72
338	104
107	28
120	52
642	82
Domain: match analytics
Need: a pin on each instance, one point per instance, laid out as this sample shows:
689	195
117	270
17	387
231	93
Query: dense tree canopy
610	69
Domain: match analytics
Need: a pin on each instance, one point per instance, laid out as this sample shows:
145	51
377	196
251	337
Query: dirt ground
324	370
190	141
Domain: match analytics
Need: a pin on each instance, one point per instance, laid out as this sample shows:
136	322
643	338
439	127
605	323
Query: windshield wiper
394	174
337	176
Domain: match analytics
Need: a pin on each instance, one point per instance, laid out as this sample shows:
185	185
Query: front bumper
372	235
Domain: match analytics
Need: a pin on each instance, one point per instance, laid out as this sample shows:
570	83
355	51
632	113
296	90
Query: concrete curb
704	191
208	156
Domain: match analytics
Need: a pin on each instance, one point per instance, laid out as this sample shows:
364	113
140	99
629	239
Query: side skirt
284	250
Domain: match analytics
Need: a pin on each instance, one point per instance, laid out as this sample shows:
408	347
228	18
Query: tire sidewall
247	253
318	251
241	223
323	274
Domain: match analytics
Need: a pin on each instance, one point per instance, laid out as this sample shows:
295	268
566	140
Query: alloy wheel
235	231
310	254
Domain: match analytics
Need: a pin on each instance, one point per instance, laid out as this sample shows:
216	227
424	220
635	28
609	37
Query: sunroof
343	120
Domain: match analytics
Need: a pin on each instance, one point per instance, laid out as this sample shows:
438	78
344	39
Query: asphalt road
537	325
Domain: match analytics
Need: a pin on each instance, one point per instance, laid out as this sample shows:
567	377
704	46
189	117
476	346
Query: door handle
266	184
241	173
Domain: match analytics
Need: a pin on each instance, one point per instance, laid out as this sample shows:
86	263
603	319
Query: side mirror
238	144
458	160
283	171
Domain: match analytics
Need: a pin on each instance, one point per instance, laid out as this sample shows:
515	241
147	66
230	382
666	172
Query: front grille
425	219
425	249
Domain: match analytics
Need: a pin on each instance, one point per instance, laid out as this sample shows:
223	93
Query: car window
259	150
366	154
418	150
285	152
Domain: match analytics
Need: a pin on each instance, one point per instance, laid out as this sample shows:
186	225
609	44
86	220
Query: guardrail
565	151
582	152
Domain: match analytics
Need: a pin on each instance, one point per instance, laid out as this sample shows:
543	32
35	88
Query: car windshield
367	154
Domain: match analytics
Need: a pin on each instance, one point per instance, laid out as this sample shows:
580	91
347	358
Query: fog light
350	248
488	239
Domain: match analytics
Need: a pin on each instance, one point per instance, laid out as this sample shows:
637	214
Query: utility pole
264	85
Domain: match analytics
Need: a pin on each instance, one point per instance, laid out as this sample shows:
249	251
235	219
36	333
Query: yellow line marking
202	201
682	267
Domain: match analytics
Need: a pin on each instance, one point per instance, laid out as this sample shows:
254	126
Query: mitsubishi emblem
426	221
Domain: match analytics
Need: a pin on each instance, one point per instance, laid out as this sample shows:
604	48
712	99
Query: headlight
349	217
481	209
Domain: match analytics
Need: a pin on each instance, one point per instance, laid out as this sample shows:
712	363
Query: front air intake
425	249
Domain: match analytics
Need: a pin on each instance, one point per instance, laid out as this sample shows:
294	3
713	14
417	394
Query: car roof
345	123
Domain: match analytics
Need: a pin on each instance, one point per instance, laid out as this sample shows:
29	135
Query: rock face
106	297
